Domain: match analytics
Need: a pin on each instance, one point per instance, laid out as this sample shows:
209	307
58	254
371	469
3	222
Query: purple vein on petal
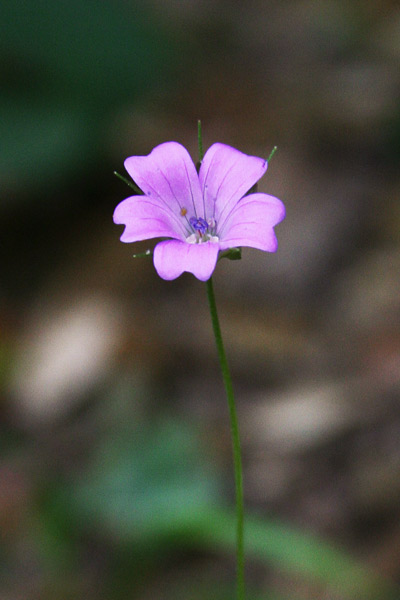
191	190
167	208
218	190
157	194
272	213
226	203
170	187
232	208
206	188
155	211
224	221
187	231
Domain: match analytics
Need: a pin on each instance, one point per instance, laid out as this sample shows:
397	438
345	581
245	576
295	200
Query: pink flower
201	213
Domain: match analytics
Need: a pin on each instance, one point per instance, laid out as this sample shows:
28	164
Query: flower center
203	231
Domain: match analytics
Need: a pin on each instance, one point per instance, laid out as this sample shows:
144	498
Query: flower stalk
202	213
237	458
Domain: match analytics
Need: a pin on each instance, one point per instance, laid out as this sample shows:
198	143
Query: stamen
183	211
211	224
199	225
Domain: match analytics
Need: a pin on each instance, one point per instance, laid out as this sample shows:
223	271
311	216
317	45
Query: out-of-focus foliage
146	482
64	66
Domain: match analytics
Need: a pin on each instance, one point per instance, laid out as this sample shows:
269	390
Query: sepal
143	254
231	253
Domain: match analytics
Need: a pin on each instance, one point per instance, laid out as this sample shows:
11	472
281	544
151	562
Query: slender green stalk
131	184
274	149
237	459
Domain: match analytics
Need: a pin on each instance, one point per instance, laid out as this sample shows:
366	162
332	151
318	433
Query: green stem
235	441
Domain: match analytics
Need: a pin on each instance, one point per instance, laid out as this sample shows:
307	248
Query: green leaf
299	553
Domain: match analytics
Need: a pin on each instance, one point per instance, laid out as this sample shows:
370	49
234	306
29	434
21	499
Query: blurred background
116	477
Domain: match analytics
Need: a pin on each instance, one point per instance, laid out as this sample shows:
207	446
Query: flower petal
226	174
251	223
145	219
172	258
169	175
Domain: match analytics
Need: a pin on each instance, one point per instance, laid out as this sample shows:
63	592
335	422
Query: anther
199	224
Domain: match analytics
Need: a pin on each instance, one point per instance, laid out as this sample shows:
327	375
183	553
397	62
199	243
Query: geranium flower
201	213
